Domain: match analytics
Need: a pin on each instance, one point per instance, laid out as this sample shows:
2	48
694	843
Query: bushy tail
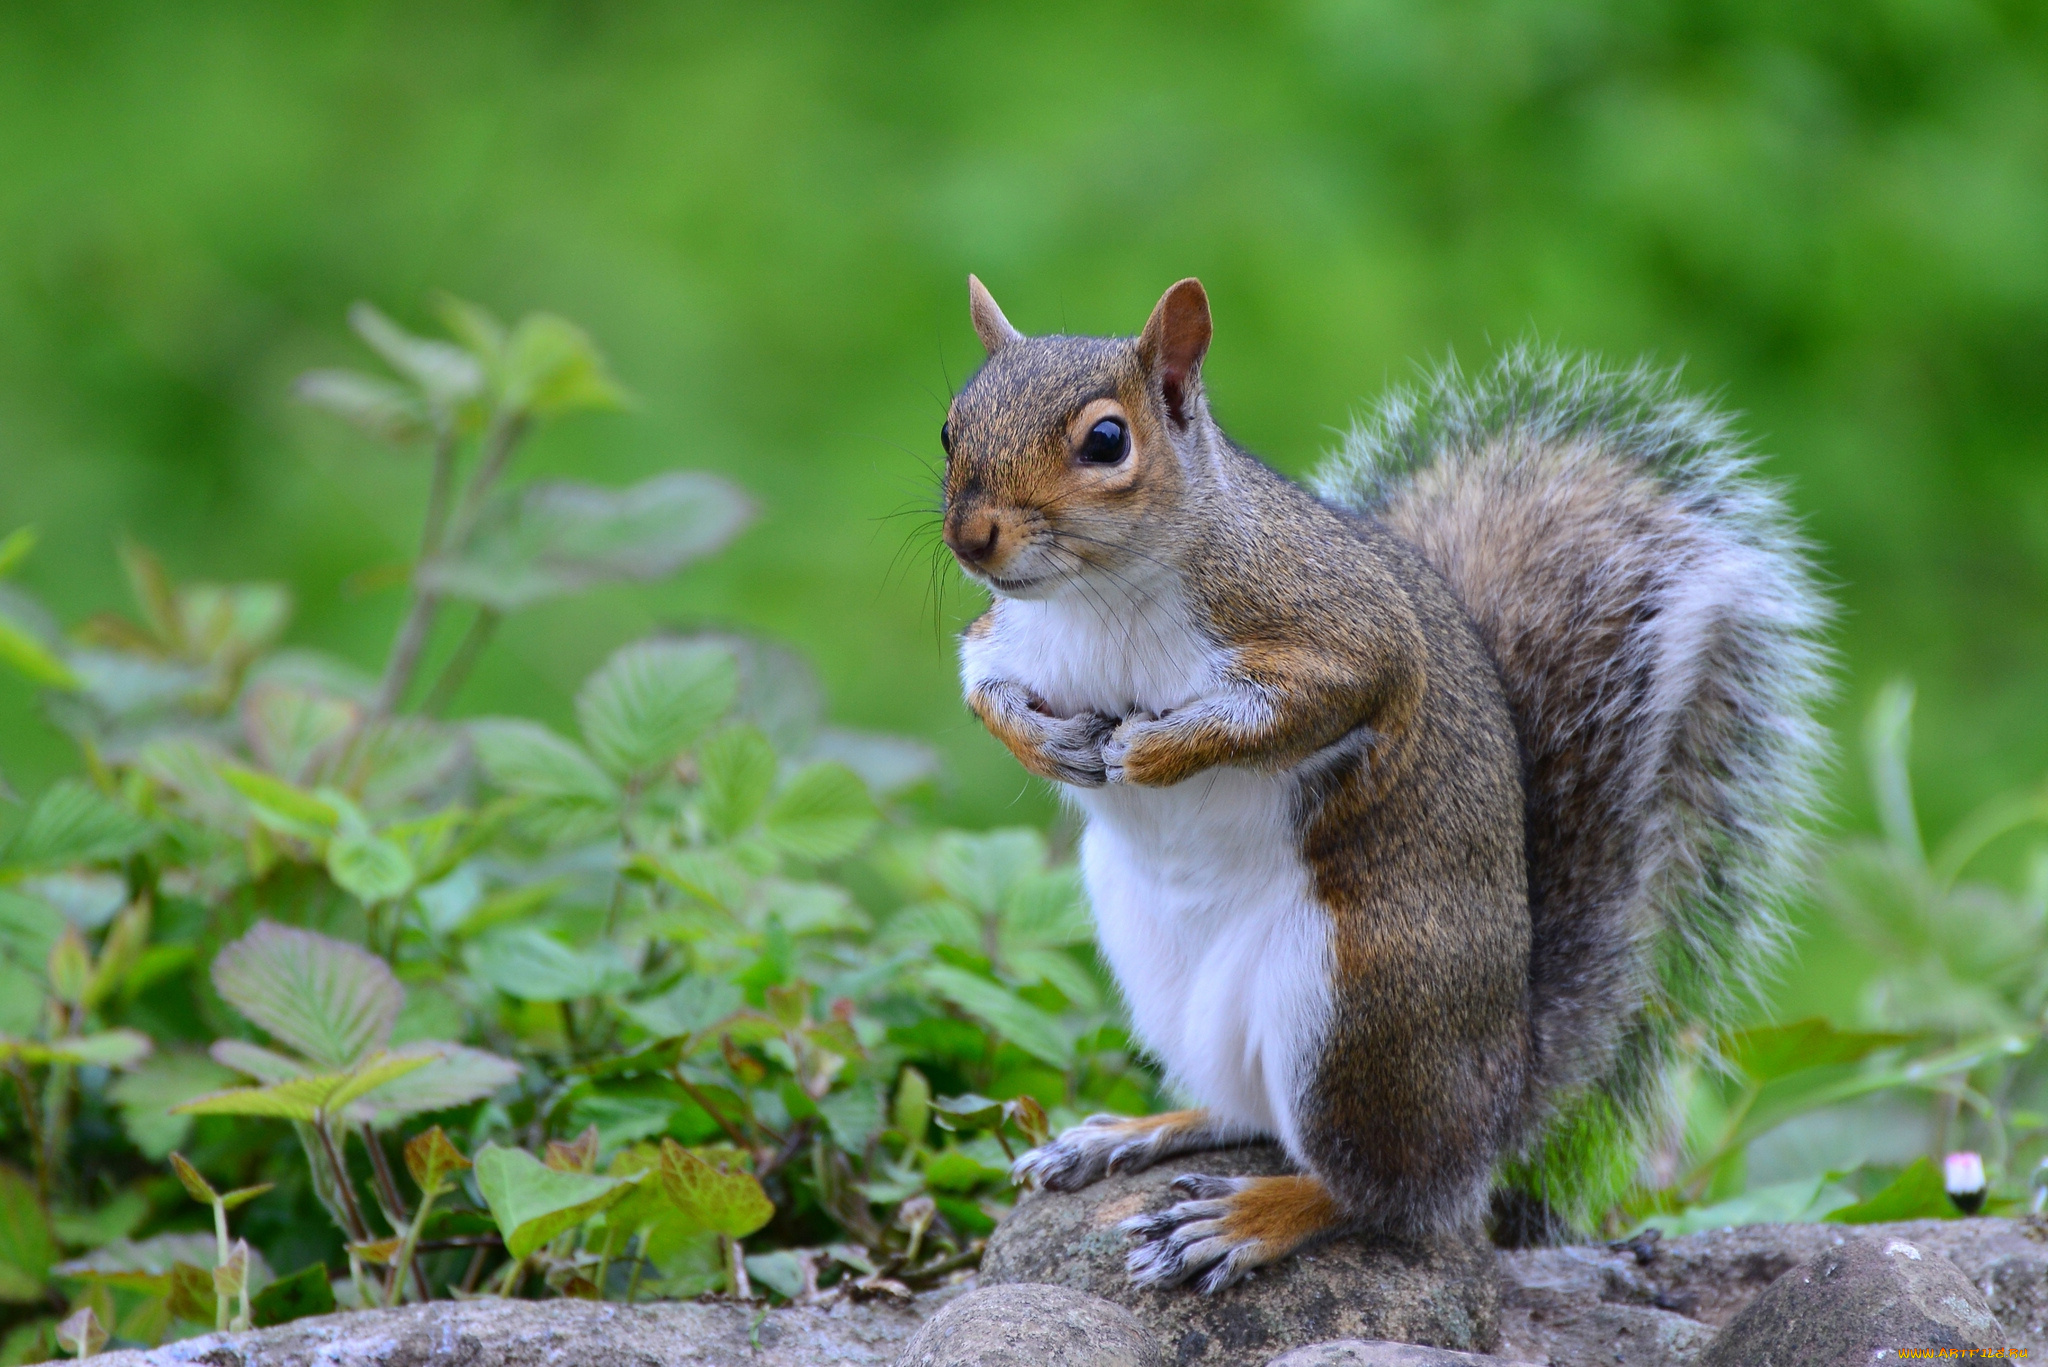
1655	621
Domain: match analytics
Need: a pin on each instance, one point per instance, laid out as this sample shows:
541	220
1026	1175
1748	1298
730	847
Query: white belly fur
1204	907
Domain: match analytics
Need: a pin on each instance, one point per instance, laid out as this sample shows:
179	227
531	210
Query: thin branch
739	1140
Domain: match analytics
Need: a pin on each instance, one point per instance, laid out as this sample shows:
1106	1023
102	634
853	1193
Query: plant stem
405	653
741	1287
739	1140
412	1239
32	1119
220	1239
359	1229
639	1262
393	1206
456	672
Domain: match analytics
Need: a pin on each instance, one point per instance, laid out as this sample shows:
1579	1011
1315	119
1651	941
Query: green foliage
634	977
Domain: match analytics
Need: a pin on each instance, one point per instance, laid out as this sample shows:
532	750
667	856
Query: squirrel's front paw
1072	749
1091	1150
1130	733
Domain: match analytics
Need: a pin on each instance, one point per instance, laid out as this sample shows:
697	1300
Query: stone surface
1658	1303
1027	1324
1863	1300
1381	1353
560	1333
1442	1294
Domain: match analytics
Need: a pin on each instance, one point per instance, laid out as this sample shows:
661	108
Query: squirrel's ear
1175	339
989	324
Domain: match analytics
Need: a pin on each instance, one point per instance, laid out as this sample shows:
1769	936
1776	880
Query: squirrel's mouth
996	581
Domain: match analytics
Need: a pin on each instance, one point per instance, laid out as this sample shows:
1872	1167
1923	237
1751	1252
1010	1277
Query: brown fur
1280	1214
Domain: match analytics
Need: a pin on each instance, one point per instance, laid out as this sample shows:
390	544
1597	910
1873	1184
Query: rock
1862	1300
1381	1353
1442	1293
561	1333
1650	1303
1026	1324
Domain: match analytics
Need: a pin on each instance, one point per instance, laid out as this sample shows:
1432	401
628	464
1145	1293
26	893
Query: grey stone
1864	1300
1440	1293
1381	1353
1025	1324
1653	1303
560	1333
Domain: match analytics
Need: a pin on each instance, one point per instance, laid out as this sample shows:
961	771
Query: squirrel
1431	816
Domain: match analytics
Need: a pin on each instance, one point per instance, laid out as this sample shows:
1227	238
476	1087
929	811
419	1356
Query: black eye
946	436
1106	443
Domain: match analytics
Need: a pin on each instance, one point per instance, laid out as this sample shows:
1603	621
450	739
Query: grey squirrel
1426	819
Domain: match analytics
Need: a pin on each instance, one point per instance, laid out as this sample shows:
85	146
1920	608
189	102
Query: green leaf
28	1247
853	1115
912	1110
1047	910
194	1181
446	374
956	1171
737	769
728	1203
526	758
81	1334
454	1075
550	367
969	1111
73	824
29	927
823	814
1915	1194
553	538
1779	1050
1015	1019
532	1203
385	410
281	806
306	1292
395	760
651	699
289	727
331	1001
695	1003
306	1098
432	1159
146	1095
981	871
120	1048
532	966
27	654
372	867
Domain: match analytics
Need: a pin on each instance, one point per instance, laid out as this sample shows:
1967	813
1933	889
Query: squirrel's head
1060	450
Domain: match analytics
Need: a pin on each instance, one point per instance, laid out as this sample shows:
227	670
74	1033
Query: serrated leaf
394	761
887	764
189	1291
981	871
454	1075
264	1065
553	538
387	411
1009	1015
1047	910
73	824
331	1001
231	1278
729	1203
824	813
305	1098
527	759
646	703
532	1204
28	1247
446	374
146	1094
372	867
737	769
854	1115
289	727
432	1159
532	966
934	923
710	876
695	1003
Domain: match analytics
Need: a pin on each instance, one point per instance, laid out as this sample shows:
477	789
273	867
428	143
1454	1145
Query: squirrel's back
1654	619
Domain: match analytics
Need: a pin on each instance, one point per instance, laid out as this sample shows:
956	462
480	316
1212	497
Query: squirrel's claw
1105	1144
1194	1237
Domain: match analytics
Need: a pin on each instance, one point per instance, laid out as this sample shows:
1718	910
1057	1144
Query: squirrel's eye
1106	443
946	436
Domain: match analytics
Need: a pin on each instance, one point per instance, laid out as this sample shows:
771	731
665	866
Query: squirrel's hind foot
1233	1225
1105	1144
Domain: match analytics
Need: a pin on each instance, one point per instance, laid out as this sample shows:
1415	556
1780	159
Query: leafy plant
686	1002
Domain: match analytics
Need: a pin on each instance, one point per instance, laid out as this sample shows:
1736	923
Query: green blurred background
1836	215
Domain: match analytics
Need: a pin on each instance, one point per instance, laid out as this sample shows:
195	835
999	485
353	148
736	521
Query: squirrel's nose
975	538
